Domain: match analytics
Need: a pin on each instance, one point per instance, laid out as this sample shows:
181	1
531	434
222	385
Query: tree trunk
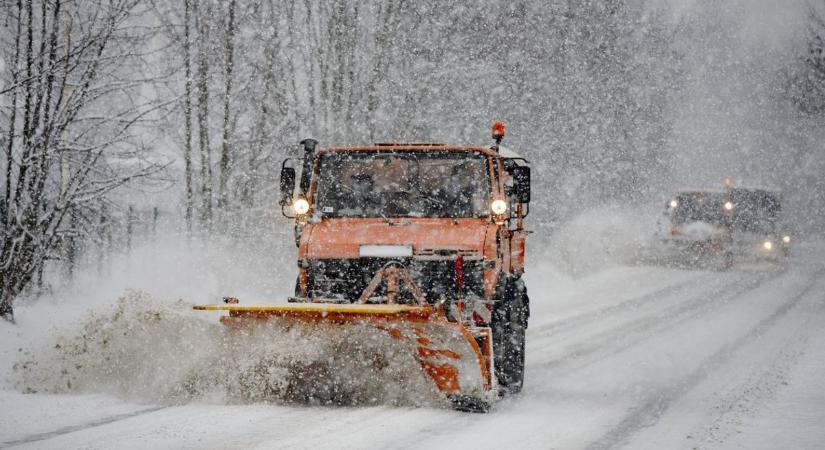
26	132
6	309
203	115
6	294
187	115
229	48
27	113
12	119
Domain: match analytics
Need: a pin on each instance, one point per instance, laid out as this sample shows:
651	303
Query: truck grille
346	279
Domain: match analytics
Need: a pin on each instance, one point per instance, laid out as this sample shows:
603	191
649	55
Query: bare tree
202	18
77	109
808	88
187	113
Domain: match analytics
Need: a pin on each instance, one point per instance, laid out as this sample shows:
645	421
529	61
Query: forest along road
635	357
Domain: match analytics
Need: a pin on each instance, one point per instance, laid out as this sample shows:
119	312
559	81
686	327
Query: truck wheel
727	255
509	325
723	260
727	262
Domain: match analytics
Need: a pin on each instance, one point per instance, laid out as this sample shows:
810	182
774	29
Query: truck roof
425	146
734	189
700	191
508	153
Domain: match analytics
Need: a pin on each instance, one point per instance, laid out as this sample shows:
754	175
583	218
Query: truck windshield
700	207
755	210
402	184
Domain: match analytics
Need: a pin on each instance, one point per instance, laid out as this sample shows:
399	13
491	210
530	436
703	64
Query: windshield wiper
421	194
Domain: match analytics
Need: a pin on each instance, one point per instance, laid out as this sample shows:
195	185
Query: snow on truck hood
343	238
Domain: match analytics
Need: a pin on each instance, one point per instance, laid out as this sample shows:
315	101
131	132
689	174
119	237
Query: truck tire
510	316
727	254
723	260
727	260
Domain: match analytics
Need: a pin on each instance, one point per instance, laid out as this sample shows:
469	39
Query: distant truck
717	226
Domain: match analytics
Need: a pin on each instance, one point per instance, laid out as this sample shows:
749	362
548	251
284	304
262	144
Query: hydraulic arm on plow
424	242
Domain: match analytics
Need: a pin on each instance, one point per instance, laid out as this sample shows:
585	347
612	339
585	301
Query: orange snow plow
457	359
424	243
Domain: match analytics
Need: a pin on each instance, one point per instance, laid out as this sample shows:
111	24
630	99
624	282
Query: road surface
630	357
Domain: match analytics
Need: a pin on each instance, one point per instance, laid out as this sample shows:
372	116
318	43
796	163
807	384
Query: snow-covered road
635	357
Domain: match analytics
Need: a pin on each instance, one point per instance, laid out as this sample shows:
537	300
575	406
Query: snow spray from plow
149	351
457	358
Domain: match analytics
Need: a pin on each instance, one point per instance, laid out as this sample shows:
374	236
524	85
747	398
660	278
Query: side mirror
287	184
521	184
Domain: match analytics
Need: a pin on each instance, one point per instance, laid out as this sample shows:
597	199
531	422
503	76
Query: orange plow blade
457	358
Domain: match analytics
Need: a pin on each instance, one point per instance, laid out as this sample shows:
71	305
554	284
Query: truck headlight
768	245
674	204
786	239
728	206
300	206
498	207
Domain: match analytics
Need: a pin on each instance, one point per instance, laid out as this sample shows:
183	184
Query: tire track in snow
731	287
759	385
550	329
629	333
80	427
650	410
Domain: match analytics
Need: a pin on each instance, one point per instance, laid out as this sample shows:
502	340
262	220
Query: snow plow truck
718	226
422	241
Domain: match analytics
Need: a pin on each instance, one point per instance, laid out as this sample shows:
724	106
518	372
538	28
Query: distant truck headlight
728	206
498	207
768	245
300	206
673	204
786	239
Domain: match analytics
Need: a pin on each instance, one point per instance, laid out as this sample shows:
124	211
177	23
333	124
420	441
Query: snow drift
145	350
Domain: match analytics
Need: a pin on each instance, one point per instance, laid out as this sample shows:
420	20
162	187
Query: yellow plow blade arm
457	359
326	311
